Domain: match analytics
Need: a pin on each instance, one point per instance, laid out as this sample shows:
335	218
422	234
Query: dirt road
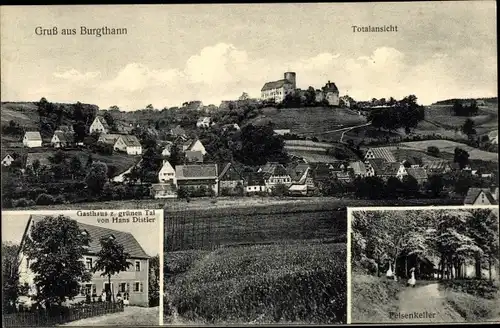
425	304
131	316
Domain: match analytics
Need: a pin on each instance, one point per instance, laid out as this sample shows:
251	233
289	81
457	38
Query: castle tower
291	76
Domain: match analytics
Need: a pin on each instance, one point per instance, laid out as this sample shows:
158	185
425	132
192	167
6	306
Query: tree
410	186
461	157
149	107
55	247
110	120
433	151
468	127
435	185
97	177
111	260
244	96
154	281
10	276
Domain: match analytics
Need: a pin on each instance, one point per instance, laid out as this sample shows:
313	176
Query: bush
433	150
45	199
59	199
23	202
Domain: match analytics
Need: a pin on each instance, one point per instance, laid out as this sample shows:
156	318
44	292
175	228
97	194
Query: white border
160	254
351	210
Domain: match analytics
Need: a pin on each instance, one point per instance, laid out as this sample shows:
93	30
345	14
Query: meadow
447	146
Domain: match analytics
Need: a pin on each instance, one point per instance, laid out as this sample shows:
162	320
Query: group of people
411	282
120	297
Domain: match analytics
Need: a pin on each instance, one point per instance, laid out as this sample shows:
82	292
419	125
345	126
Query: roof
130	244
298	187
229	172
418	173
330	87
358	167
177	131
275	84
190	143
103	121
436	165
204	119
256	179
33	135
473	193
196	156
109	138
196	171
297	171
378	165
383	152
390	169
320	170
64	136
273	168
130	140
42	157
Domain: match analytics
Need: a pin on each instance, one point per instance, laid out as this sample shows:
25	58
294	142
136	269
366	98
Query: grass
292	282
373	298
473	308
447	146
24	113
311	120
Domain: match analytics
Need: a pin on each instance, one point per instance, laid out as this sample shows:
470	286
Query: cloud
74	75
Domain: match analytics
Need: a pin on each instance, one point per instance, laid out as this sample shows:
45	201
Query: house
124	128
381	152
194	156
255	183
194	145
167	149
204	122
275	174
493	137
231	180
277	90
163	190
358	168
178	131
301	174
129	144
7	160
419	173
281	132
109	139
343	176
167	174
481	196
337	166
99	125
61	139
331	93
321	172
193	105
298	190
135	280
375	167
196	176
32	139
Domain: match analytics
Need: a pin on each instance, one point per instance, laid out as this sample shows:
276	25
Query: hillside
309	121
487	100
447	146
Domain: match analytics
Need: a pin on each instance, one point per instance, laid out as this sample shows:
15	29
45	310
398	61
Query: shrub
59	199
45	199
23	202
433	150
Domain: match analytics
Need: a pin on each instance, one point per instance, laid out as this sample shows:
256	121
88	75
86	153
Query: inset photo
262	264
424	265
81	268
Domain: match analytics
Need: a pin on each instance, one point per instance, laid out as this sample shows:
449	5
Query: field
24	113
485	121
309	121
301	282
448	146
315	151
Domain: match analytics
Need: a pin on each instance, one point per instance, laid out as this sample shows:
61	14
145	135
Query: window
107	287
137	265
123	287
27	263
88	263
137	286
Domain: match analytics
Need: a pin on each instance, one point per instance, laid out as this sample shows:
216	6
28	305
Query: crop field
23	113
449	147
301	282
310	121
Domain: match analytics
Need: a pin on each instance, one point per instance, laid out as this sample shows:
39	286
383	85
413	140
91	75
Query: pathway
131	316
429	303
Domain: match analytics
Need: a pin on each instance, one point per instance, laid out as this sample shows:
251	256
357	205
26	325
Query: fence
72	313
183	232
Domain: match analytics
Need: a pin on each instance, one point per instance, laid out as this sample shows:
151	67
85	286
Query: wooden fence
72	313
183	233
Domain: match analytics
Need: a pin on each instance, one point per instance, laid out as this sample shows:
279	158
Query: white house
194	145
7	160
481	196
32	139
167	174
99	125
204	122
61	139
129	144
275	174
277	90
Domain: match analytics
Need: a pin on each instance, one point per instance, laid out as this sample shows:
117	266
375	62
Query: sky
147	234
213	52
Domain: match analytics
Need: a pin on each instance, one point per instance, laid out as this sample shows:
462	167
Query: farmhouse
230	180
32	139
196	176
275	174
194	145
204	122
129	144
109	139
319	96
99	125
255	183
134	281
7	160
277	90
481	196
384	153
61	139
194	156
321	172
375	167
167	174
418	173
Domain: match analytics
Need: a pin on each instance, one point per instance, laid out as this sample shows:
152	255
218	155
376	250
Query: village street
131	316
